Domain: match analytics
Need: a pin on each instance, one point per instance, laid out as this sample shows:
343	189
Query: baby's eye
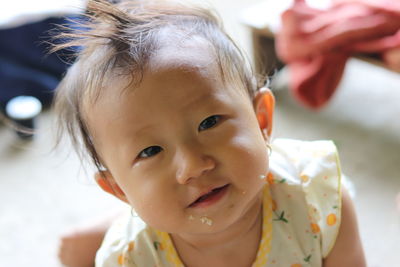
149	151
209	122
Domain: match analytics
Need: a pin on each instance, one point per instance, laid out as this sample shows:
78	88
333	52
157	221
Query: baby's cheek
250	154
147	212
141	202
156	211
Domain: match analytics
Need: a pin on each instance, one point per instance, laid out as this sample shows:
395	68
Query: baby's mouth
213	194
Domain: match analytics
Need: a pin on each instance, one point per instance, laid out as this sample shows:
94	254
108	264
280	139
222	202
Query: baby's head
167	107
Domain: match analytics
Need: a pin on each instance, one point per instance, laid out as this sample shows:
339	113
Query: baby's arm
348	251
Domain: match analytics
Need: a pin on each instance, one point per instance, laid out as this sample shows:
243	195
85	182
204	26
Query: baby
169	111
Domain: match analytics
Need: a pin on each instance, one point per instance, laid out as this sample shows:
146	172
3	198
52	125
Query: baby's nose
192	164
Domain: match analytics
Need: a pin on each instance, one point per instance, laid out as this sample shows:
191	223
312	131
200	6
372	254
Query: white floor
43	192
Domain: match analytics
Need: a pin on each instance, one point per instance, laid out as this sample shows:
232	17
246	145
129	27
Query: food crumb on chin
205	220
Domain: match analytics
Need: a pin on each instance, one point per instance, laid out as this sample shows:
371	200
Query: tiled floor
42	192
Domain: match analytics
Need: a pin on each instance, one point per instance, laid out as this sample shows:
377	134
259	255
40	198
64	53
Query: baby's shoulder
298	162
130	242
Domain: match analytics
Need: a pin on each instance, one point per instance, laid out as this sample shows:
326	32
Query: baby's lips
208	191
201	195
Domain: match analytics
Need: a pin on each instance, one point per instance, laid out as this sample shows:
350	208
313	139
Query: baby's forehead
194	56
194	53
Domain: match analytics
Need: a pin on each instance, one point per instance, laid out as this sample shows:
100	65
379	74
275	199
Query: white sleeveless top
301	215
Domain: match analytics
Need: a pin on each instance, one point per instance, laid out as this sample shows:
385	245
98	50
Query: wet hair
120	38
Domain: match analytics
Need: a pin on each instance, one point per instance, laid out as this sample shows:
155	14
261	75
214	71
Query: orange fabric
317	43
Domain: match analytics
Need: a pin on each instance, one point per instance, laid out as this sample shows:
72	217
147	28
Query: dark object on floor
26	68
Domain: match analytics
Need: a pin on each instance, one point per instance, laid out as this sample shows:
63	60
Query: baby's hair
119	39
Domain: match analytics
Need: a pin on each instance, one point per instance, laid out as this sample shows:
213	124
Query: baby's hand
78	247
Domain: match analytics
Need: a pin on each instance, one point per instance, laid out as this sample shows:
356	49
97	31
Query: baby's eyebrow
139	131
196	101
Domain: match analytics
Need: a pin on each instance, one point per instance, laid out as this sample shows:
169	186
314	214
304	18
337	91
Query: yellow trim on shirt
265	244
171	254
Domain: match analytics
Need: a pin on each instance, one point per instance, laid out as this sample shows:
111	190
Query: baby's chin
242	216
188	225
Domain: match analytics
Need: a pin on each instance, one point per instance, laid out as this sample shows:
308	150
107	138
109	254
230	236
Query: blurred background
43	192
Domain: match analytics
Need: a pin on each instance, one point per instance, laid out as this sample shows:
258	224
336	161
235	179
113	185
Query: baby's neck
226	248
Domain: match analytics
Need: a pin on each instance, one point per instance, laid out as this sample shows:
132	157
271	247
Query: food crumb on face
205	220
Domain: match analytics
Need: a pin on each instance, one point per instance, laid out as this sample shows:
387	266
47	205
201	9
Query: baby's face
182	145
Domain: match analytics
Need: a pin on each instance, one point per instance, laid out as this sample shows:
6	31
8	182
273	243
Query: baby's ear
107	182
264	103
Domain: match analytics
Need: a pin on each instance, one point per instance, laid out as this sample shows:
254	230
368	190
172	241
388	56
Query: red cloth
317	43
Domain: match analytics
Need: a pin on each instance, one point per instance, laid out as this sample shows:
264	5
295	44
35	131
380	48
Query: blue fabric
26	68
